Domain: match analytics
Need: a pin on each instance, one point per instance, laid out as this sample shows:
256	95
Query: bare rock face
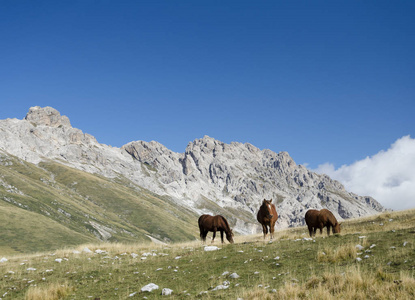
47	116
210	175
156	158
238	176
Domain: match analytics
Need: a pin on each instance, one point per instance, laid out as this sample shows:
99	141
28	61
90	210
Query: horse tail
201	227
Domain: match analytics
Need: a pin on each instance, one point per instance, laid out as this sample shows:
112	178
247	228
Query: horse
319	219
267	216
214	223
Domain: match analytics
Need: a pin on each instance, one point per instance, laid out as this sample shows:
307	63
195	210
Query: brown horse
217	223
267	216
319	219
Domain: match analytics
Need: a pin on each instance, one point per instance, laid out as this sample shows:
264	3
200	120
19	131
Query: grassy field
373	258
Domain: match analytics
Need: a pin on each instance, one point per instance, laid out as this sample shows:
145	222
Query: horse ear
270	200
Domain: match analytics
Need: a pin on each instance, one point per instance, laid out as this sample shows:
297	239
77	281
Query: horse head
229	236
266	206
336	228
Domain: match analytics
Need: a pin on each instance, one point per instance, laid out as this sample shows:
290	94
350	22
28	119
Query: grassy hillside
373	258
51	206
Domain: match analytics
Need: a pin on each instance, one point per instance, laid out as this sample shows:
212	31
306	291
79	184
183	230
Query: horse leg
221	236
271	230
310	230
205	233
328	230
214	235
264	230
202	237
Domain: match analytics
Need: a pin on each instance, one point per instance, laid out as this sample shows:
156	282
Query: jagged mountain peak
47	116
209	143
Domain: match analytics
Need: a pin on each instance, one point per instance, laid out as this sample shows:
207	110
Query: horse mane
330	216
228	228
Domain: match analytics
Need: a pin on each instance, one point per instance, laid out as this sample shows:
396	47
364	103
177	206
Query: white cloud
388	176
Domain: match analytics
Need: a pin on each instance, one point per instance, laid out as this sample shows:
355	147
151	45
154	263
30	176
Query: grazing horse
214	223
319	219
267	216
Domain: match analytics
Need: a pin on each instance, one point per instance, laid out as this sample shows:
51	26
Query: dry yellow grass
353	284
53	291
385	220
341	253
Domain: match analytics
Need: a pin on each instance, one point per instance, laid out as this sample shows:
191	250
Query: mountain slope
209	177
50	205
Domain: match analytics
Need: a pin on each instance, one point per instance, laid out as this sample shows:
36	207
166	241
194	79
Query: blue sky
326	81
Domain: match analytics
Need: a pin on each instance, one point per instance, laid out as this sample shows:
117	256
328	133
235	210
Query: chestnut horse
319	219
267	216
217	223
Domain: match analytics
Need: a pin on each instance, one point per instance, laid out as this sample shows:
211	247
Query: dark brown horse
267	216
214	223
319	219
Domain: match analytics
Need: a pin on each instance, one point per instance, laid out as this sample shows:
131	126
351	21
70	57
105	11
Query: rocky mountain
209	177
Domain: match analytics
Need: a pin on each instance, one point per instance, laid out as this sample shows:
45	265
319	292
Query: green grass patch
288	268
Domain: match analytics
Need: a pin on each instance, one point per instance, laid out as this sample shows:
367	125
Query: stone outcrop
234	176
46	116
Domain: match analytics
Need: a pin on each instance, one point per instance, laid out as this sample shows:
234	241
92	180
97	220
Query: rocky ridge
234	176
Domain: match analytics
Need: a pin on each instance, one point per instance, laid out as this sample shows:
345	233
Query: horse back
327	217
311	217
209	222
